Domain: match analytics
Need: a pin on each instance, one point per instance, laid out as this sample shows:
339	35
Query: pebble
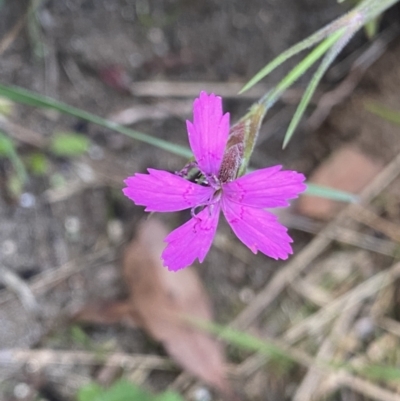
27	200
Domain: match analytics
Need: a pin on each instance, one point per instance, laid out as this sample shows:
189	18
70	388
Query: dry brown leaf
107	312
159	298
158	302
347	169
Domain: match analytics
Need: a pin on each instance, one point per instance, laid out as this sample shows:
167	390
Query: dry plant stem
160	89
41	358
14	283
366	388
343	235
43	282
312	292
156	111
364	241
361	386
8	39
302	260
371	219
348	305
392	326
312	379
330	99
315	323
366	289
22	134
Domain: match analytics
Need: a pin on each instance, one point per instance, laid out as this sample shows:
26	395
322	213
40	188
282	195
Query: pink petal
161	191
268	187
191	240
209	132
258	229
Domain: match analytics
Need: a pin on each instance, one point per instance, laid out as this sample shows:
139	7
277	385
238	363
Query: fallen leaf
347	169
159	301
107	312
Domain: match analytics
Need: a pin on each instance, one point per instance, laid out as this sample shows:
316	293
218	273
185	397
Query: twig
12	34
376	222
367	388
22	134
310	383
14	283
390	325
364	290
40	358
190	90
48	279
341	234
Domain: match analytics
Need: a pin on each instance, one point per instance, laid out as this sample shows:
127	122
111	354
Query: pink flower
242	200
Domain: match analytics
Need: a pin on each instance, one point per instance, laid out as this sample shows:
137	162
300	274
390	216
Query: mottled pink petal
258	229
191	240
161	191
208	133
268	187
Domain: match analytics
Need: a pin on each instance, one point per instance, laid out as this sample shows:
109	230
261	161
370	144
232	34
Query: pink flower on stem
242	200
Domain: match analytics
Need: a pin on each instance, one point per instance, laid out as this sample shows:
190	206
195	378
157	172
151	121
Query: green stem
33	99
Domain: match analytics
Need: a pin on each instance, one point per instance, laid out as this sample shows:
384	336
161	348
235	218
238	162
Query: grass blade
292	51
342	39
301	68
330	193
383	112
33	99
7	148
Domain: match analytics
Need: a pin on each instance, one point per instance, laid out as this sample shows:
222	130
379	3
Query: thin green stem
359	15
11	153
33	99
302	67
326	62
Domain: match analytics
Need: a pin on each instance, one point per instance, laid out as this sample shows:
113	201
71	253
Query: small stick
40	358
14	283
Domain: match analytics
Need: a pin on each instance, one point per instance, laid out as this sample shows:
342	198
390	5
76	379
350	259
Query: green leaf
336	42
246	341
69	144
79	336
38	164
385	373
6	145
392	116
90	392
168	396
15	185
122	390
364	12
297	48
301	68
7	149
24	96
330	193
371	27
6	107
